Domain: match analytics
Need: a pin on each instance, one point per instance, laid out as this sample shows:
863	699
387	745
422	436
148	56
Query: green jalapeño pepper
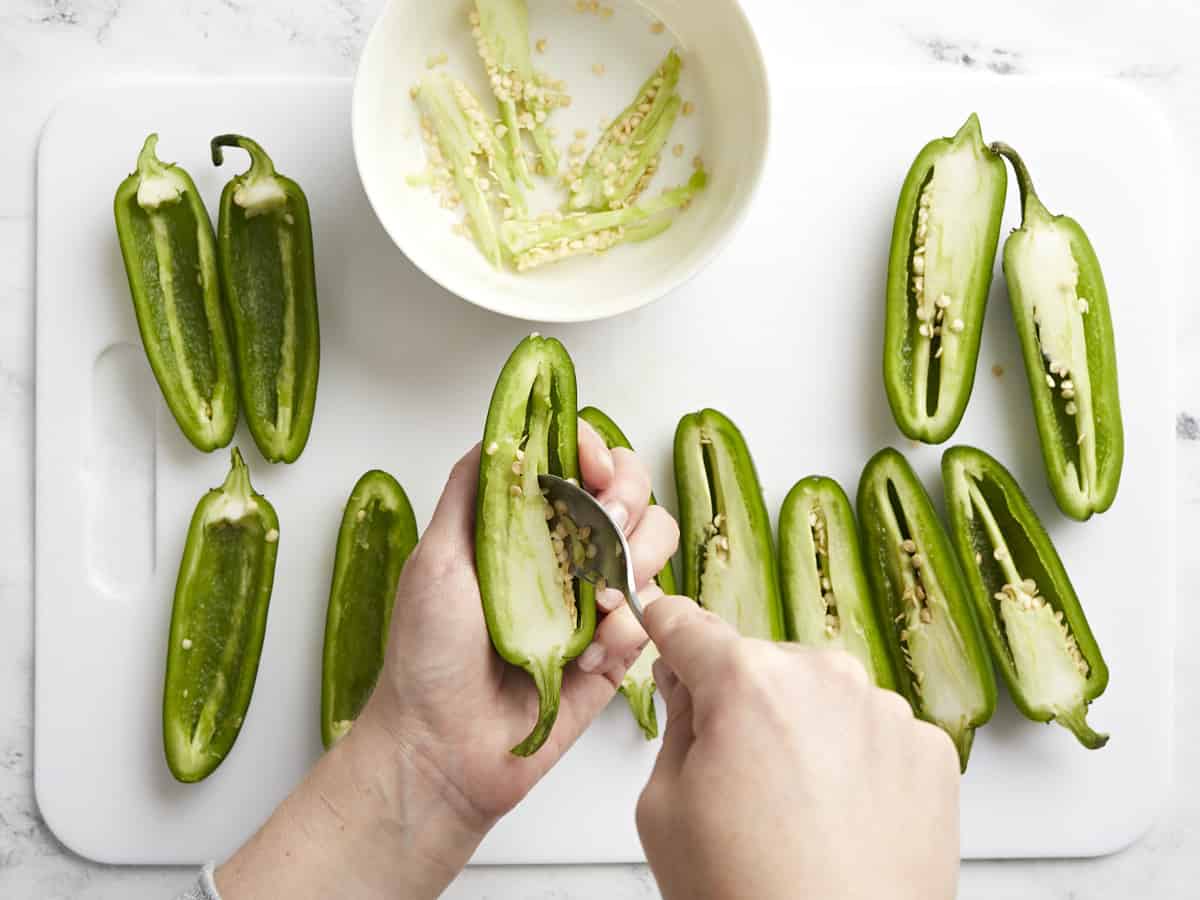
378	533
728	560
217	623
170	258
1031	616
638	685
940	271
1060	307
941	661
538	614
827	601
265	247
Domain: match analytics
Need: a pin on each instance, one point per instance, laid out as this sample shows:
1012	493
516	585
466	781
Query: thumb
454	518
690	640
679	734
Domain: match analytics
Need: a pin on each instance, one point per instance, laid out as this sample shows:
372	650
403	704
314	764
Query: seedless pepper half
638	685
827	601
941	662
377	535
538	614
728	560
169	250
217	623
939	273
265	248
1030	613
1060	307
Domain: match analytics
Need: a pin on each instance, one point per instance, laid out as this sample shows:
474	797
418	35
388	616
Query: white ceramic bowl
724	77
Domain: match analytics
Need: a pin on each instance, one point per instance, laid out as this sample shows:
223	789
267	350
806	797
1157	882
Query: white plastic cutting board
783	333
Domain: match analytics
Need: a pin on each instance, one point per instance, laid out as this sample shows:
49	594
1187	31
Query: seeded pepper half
827	601
1031	616
1060	307
264	244
638	685
728	560
940	271
378	533
538	614
941	663
170	256
218	623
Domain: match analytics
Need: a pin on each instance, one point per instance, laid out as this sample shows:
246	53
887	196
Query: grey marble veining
48	48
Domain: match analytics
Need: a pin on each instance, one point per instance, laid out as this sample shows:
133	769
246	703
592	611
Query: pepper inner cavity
819	529
716	545
928	311
915	612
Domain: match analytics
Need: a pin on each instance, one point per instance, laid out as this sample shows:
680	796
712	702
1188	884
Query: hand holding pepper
399	805
785	773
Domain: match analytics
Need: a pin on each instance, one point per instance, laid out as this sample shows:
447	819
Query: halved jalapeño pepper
827	601
638	685
265	247
538	614
728	560
1031	616
940	271
170	257
217	623
941	663
1060	307
378	533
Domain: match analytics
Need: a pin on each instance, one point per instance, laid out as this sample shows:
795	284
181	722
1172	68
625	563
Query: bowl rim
639	298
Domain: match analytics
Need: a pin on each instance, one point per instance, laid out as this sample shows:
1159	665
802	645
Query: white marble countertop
48	48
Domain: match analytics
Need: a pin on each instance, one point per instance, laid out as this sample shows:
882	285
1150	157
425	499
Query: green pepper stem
547	677
237	482
641	701
261	165
1075	720
1030	204
148	162
962	742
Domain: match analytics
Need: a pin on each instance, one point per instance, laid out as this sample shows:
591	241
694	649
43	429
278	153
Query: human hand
785	773
448	698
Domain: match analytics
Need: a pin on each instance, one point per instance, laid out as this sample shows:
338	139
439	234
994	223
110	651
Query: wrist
373	819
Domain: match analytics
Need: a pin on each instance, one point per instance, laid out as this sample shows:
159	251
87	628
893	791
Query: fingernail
592	657
618	513
610	599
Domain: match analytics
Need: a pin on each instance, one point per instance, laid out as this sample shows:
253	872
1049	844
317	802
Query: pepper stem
237	482
962	743
547	677
1075	720
641	701
1030	204
261	165
148	162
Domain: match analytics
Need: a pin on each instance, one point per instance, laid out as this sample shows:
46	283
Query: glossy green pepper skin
1060	308
265	250
728	558
377	535
169	250
538	618
1030	613
217	624
827	601
638	685
944	244
941	660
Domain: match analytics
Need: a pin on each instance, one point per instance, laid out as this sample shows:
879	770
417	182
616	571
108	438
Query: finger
454	518
693	642
595	459
652	543
627	497
618	642
678	735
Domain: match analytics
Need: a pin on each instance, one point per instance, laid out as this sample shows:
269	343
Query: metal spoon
612	561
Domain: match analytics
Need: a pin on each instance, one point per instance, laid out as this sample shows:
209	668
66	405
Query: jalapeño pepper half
218	623
826	598
728	560
170	258
378	533
940	271
538	614
638	685
1060	307
265	248
1031	616
941	663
